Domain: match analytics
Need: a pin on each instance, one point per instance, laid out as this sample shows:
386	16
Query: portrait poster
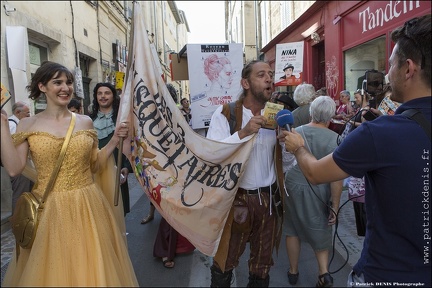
214	78
79	88
289	64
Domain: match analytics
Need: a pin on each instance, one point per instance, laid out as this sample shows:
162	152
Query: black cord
336	227
340	240
336	213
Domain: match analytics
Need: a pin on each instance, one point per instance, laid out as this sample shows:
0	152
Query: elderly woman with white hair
304	94
311	210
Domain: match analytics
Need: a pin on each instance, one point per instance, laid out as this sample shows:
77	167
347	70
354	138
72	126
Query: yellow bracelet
295	151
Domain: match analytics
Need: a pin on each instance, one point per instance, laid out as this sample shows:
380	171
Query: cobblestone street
346	231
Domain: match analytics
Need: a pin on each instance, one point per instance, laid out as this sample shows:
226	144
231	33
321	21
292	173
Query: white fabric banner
16	40
191	180
20	83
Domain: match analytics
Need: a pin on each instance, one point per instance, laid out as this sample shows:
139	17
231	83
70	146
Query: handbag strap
59	161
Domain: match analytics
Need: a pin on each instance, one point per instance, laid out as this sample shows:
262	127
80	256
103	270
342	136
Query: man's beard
260	96
105	105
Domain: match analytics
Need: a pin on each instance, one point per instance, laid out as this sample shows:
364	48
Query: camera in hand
369	115
374	82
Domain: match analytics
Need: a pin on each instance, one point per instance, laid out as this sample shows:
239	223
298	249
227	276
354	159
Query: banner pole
120	146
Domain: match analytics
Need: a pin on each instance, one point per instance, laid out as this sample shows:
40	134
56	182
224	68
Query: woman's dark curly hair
115	104
47	71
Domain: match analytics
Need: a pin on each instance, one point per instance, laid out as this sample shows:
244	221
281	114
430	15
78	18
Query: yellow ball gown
80	239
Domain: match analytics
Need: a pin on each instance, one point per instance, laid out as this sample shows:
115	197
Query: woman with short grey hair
322	109
304	94
311	210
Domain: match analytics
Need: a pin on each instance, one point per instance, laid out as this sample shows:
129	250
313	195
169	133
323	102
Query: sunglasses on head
408	26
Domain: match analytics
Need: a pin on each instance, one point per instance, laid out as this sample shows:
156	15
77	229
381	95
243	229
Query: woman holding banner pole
78	241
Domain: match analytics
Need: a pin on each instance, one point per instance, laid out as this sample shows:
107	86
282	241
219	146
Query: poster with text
289	64
214	78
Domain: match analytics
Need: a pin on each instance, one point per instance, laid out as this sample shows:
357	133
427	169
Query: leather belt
265	189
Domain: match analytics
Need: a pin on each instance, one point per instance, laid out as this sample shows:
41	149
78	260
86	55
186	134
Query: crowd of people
394	170
291	185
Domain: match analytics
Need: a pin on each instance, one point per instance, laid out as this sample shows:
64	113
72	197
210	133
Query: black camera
373	85
374	82
369	115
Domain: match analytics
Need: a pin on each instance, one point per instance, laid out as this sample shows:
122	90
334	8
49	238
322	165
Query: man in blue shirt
393	153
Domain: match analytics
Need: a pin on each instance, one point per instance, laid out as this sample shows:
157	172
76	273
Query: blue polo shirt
394	155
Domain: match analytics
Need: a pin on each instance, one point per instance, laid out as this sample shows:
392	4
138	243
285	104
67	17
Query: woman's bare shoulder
84	122
27	123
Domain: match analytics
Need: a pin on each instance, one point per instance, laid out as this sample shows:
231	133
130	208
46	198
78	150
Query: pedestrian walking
310	211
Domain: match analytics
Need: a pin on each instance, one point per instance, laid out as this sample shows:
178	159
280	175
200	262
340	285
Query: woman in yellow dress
79	241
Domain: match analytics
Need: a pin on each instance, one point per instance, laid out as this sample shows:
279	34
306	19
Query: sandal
292	278
325	280
167	263
147	219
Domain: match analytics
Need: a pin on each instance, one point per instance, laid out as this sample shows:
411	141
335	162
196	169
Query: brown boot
255	281
219	278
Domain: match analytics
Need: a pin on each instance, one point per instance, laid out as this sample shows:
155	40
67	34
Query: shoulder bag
24	221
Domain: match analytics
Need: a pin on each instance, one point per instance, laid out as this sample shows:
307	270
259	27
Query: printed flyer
388	106
270	111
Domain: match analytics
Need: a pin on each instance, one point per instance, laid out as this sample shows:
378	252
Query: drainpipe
256	28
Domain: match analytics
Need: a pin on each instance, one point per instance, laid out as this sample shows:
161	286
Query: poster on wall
79	89
214	78
5	95
289	64
120	76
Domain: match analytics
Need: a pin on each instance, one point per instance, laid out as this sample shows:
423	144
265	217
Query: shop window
84	65
318	64
85	71
286	14
359	59
38	53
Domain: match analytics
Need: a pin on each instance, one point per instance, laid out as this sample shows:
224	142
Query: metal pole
120	148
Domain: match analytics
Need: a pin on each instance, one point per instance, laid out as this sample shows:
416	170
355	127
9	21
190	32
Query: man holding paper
255	215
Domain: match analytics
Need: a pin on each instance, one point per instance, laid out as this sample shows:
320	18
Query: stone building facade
89	37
